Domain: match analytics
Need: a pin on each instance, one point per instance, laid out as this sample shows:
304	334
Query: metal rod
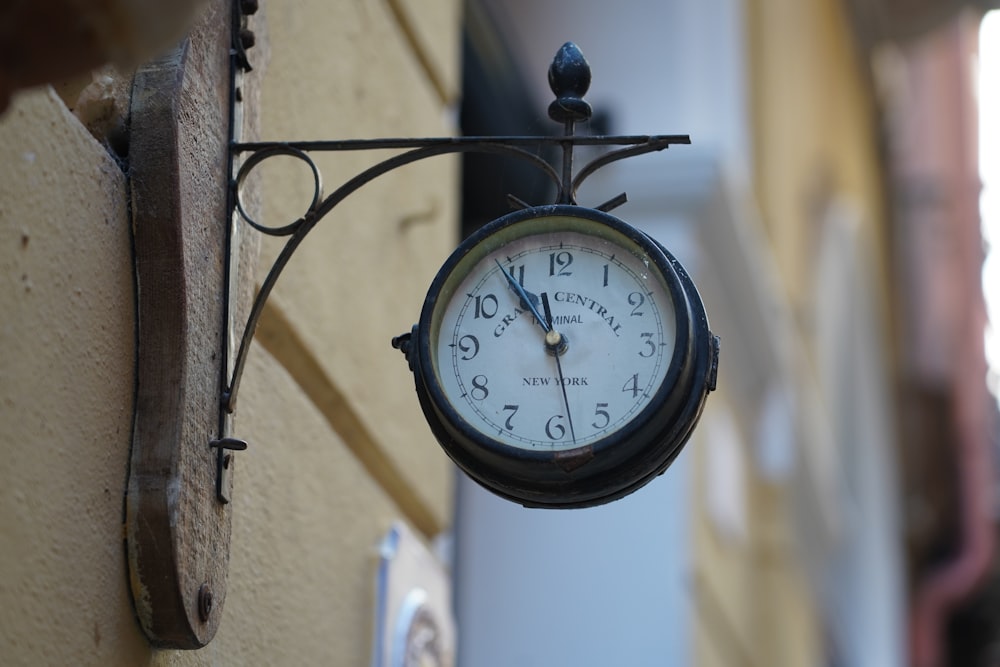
237	63
523	140
566	193
650	147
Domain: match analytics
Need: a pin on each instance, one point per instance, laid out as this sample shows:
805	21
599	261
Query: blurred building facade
834	508
949	429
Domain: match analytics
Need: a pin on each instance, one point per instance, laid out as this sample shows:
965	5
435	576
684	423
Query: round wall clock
562	357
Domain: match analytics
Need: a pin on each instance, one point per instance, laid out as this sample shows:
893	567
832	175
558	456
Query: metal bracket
243	38
569	78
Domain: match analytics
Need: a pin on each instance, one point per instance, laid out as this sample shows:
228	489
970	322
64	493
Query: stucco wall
361	277
307	513
814	145
66	381
815	133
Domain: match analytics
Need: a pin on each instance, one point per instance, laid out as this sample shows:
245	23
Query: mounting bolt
248	7
247	38
205	601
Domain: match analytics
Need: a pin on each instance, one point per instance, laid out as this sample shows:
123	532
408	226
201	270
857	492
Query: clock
562	357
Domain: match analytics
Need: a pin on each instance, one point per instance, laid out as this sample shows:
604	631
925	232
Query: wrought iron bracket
569	79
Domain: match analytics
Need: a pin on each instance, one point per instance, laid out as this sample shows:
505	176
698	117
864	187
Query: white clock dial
562	357
569	354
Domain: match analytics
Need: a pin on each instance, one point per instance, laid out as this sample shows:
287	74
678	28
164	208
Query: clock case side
594	474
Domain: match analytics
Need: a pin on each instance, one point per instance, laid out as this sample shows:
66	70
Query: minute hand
557	343
528	300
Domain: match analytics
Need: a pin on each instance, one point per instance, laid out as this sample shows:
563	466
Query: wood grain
177	530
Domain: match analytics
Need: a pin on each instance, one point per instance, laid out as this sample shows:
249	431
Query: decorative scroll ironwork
569	78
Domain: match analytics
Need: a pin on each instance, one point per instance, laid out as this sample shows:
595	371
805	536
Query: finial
569	78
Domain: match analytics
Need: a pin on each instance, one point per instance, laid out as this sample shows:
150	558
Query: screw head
205	600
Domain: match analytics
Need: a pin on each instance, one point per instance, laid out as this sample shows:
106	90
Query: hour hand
528	300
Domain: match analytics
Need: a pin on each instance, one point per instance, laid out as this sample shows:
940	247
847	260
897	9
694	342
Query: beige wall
752	601
307	513
814	129
66	381
361	277
815	137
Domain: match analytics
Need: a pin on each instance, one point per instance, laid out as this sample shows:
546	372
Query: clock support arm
416	150
569	78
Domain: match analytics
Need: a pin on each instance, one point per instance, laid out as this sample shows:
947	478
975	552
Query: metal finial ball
569	79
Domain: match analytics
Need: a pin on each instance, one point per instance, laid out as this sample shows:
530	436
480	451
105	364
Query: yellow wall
814	128
307	514
361	277
66	383
815	143
751	600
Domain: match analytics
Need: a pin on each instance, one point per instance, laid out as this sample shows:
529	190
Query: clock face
554	334
562	357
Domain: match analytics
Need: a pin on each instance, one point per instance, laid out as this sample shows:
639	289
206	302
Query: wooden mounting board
177	531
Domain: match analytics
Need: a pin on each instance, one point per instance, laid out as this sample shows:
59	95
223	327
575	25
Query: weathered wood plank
177	530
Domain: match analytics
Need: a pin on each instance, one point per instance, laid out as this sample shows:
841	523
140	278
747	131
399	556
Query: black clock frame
614	466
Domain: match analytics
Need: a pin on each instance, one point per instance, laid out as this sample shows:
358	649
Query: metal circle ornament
562	357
